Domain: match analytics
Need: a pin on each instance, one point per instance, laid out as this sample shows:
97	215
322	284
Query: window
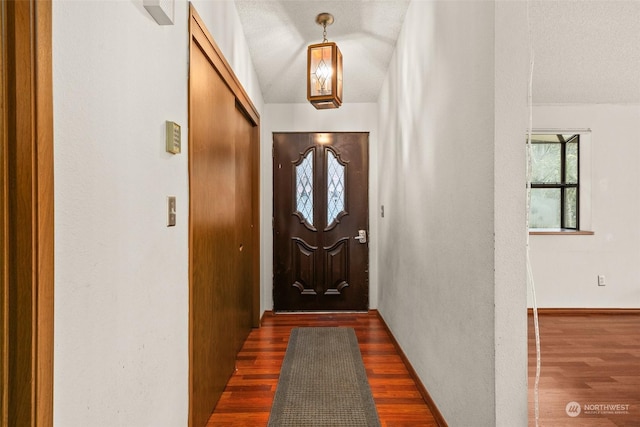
555	186
304	187
335	188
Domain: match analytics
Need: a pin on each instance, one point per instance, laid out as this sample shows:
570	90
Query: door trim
27	209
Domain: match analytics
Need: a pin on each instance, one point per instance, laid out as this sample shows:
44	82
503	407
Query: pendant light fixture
324	70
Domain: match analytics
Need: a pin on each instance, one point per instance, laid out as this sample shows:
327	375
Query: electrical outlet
601	281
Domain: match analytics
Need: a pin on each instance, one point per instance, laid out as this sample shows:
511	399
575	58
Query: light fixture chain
324	33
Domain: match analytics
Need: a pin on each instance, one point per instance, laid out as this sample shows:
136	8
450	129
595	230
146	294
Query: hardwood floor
590	359
593	360
247	399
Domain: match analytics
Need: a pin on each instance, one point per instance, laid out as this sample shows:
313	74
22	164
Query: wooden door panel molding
335	275
337	266
304	262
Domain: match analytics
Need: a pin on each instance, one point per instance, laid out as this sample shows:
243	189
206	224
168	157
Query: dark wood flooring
249	394
593	360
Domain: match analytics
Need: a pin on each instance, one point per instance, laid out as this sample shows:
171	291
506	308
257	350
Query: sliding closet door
213	252
223	218
244	224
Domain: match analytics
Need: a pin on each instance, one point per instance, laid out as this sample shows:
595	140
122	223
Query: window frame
563	185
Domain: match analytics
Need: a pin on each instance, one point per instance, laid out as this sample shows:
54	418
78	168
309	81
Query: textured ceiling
279	31
586	51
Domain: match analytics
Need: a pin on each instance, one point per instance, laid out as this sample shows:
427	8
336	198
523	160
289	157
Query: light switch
173	136
171	207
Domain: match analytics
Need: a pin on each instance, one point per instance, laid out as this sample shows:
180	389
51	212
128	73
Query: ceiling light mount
324	69
324	19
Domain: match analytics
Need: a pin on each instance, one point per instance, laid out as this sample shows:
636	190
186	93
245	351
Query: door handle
362	236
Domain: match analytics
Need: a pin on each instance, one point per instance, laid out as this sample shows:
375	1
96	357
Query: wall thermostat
173	137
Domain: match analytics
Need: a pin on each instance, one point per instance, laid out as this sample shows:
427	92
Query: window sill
559	232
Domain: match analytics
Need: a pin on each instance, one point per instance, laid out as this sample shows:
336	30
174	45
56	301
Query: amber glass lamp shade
324	75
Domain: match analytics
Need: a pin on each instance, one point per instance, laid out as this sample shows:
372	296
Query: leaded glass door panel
320	217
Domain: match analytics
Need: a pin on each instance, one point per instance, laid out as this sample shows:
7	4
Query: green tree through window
555	195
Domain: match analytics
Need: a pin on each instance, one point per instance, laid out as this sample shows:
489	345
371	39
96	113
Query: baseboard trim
584	311
421	388
265	314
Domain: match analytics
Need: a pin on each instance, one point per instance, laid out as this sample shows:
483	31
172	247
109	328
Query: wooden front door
321	253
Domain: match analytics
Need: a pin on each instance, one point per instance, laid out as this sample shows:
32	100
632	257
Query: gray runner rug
323	382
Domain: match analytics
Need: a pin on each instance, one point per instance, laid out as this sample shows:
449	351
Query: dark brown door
321	254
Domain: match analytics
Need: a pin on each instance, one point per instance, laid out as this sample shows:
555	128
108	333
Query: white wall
510	228
446	124
566	267
305	118
121	285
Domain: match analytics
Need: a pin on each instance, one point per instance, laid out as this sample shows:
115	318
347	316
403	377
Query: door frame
26	214
199	35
